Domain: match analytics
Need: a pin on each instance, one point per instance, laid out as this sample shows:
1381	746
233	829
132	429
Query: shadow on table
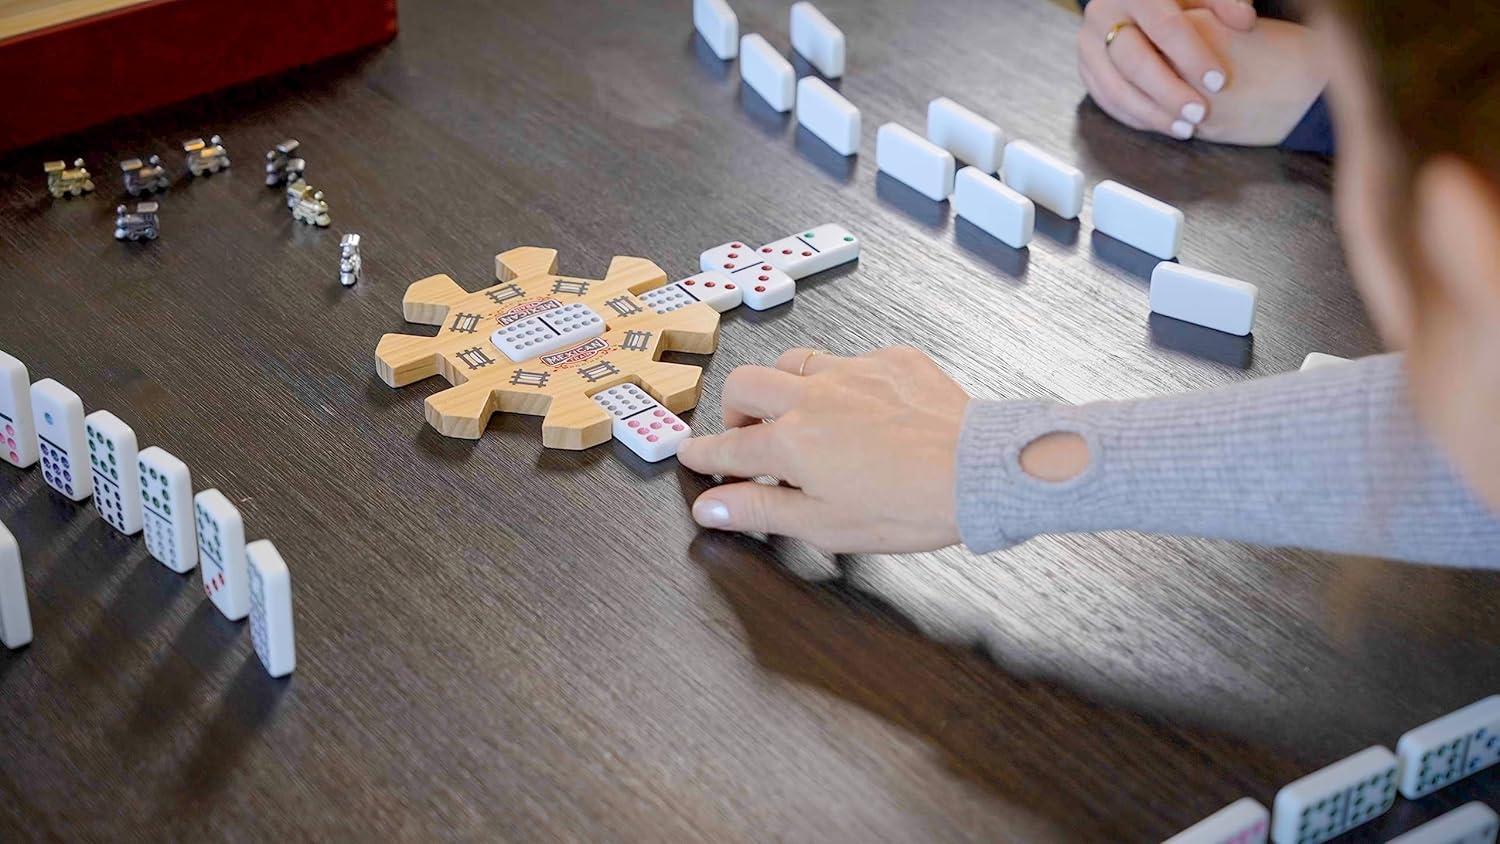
1122	256
716	68
165	700
769	121
1021	738
1009	262
244	710
926	212
1199	342
840	168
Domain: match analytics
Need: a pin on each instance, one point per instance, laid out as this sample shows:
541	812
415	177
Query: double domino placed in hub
113	455
271	628
828	115
768	72
1128	215
548	331
1204	298
15	615
166	508
58	414
989	204
17	428
1338	798
641	423
817	39
1471	823
915	161
1047	181
719	26
1244	821
1457	745
969	137
221	553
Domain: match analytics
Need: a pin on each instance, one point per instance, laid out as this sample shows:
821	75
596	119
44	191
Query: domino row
1356	790
1005	207
97	456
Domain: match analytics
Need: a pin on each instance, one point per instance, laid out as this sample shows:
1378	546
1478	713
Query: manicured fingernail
710	513
1194	113
1182	129
1214	81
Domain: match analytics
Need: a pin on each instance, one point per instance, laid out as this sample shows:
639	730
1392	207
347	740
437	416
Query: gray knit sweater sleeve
1331	459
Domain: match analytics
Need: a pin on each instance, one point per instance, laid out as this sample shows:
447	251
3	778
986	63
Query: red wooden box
69	64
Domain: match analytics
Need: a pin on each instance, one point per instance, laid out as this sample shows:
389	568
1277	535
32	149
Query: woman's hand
1279	70
1158	72
866	448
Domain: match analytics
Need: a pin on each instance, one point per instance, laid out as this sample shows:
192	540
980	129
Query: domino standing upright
1336	799
58	413
970	138
1444	751
641	423
1471	823
1049	182
817	39
271	627
1244	821
1203	298
221	550
1142	221
828	115
17	428
113	455
915	161
719	26
991	205
166	496
15	615
768	72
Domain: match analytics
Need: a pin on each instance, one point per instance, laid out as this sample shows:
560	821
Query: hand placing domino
1336	799
166	496
719	26
767	72
548	331
1047	181
987	203
914	161
221	550
1471	823
1143	222
58	414
1444	751
817	39
112	462
969	137
714	288
1203	298
15	614
828	115
641	423
1244	821
811	251
17	428
271	629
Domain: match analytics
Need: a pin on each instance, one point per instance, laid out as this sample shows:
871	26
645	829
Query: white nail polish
1181	129
1194	113
711	513
1213	81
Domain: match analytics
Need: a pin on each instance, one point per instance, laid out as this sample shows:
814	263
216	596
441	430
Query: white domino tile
641	423
1318	360
811	251
915	161
1048	181
15	614
972	139
548	332
765	286
112	461
1471	823
828	115
989	204
58	414
731	256
271	629
1336	799
1244	821
1457	745
1204	298
221	552
17	429
1144	222
768	72
714	288
719	26
166	508
817	39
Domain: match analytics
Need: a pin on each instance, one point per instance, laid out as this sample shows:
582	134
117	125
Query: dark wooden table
497	641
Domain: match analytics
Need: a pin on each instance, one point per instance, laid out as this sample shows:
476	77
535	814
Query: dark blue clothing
1314	132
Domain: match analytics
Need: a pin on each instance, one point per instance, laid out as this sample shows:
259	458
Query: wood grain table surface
498	641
